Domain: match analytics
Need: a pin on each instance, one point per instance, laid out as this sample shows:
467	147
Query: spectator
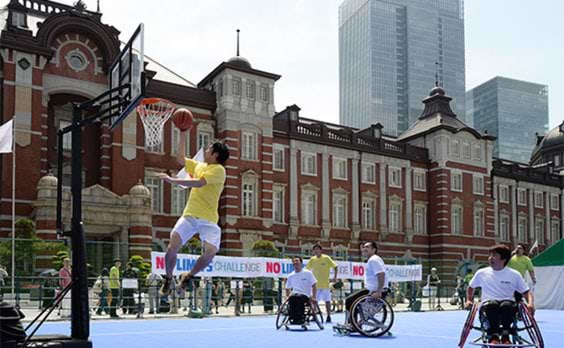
522	263
247	296
460	290
3	274
152	282
128	293
215	296
65	279
433	282
102	289
114	288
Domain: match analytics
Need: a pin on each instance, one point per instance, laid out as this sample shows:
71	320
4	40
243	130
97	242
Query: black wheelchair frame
368	317
312	314
517	341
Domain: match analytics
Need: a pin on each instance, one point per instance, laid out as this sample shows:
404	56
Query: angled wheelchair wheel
283	316
317	316
468	325
372	318
531	326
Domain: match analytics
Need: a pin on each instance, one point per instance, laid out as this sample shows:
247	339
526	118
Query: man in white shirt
375	278
300	288
499	287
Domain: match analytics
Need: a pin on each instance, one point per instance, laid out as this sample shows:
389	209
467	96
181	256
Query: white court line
183	331
421	335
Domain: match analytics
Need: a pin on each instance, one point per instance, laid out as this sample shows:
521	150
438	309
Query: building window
155	185
419	181
251	90
236	87
264	94
522	230
554	202
479	221
278	204
177	199
456	181
557	160
395	217
339	168
174	141
477	152
309	208
394	177
504	228
339	211
522	197
539	230
250	145
420	225
555	231
67	137
204	140
503	194
220	88
478	185
466	150
368	214
455	148
456	219
249	198
309	164
538	200
368	173
19	19
278	158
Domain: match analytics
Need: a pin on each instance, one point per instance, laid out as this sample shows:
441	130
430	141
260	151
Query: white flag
534	246
183	174
6	139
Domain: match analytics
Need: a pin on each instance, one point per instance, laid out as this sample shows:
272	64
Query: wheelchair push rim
364	312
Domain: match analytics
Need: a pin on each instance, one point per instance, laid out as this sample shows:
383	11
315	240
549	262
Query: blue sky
298	39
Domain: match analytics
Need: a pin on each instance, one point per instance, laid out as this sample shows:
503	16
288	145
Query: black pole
60	136
80	320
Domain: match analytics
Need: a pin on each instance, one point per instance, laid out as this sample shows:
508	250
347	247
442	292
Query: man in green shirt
114	288
522	263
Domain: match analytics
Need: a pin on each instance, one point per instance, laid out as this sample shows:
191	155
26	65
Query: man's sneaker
184	280
494	339
505	340
165	288
328	320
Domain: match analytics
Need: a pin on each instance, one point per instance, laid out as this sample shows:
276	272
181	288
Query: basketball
183	119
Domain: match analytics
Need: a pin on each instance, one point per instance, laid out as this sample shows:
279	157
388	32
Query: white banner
6	134
254	267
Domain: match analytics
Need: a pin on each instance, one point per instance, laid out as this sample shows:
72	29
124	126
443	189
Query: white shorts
323	295
188	226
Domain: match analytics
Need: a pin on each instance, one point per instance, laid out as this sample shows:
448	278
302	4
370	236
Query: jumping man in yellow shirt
321	265
201	212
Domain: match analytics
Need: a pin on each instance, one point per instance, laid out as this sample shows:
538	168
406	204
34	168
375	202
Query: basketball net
154	112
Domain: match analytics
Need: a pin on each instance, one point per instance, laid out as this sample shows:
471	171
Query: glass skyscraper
511	110
389	53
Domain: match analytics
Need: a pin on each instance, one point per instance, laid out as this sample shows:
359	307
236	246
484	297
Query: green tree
265	248
58	258
144	268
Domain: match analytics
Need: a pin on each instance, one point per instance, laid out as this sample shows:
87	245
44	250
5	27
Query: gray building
513	111
389	53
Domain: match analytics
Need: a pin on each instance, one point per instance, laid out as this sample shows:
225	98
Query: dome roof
553	140
437	90
47	181
139	190
240	62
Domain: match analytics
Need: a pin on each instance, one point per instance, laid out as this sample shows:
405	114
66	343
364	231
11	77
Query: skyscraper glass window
389	54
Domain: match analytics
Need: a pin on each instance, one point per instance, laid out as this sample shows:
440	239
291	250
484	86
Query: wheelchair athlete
375	280
300	289
499	285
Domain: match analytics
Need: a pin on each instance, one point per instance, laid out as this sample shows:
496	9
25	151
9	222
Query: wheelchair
368	317
312	313
523	322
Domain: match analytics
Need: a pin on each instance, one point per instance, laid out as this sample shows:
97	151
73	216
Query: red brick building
433	193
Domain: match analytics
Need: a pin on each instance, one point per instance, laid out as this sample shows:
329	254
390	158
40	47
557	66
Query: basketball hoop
154	112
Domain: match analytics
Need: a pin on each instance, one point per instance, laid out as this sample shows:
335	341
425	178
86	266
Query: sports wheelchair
524	321
368	317
312	313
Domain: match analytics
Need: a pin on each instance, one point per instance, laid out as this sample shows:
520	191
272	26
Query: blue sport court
410	330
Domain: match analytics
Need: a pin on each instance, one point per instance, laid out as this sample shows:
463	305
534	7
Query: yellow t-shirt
521	264
321	266
204	201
